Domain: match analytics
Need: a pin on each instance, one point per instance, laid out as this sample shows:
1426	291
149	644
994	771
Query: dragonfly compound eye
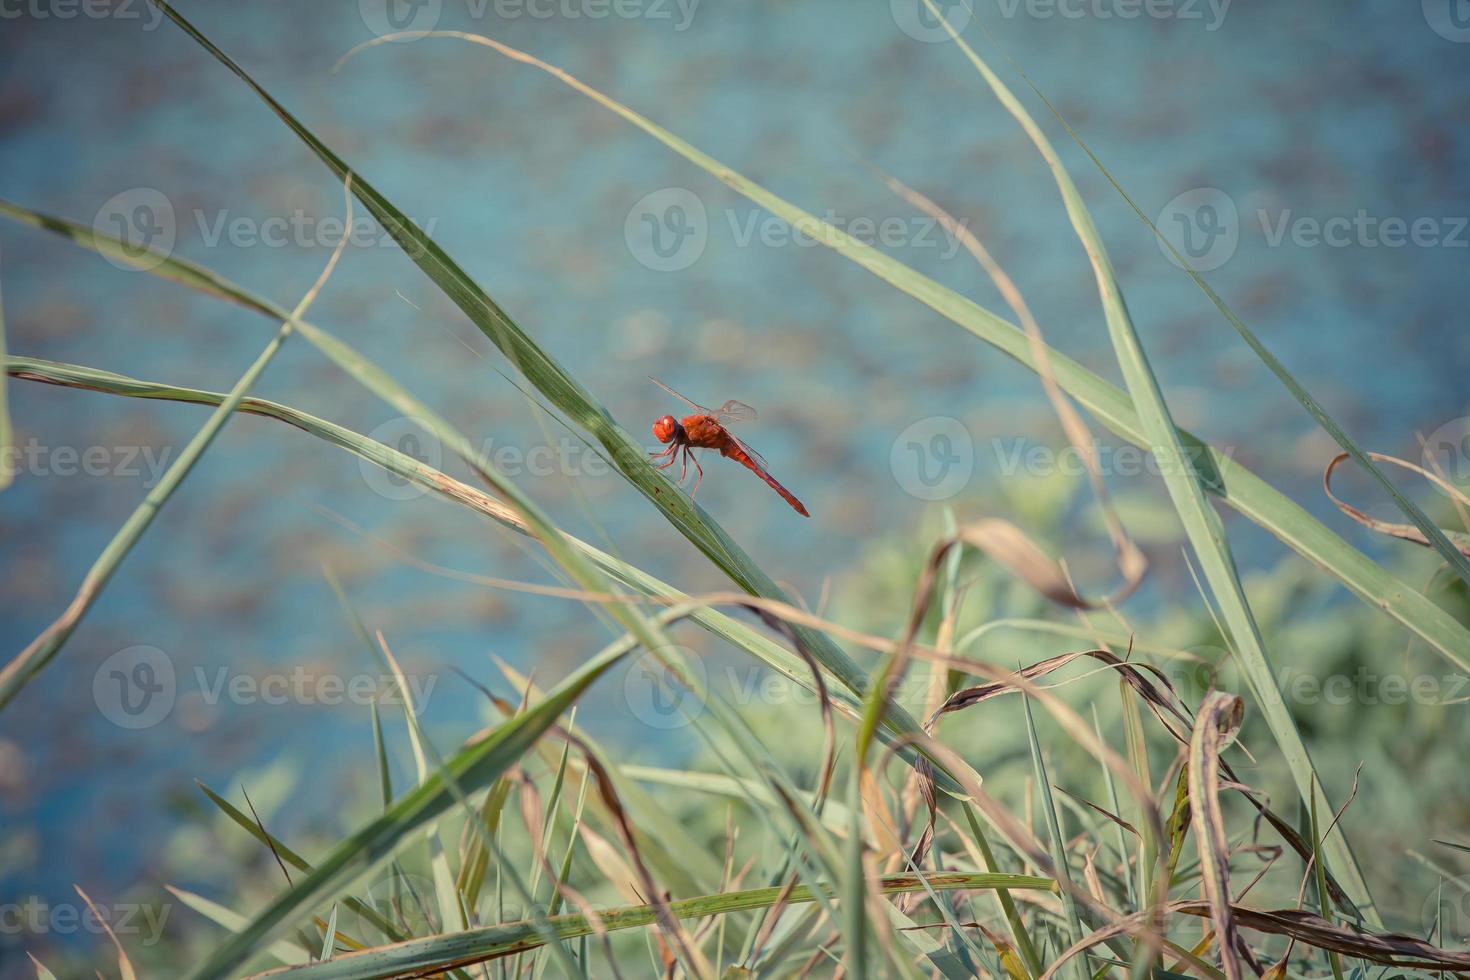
663	429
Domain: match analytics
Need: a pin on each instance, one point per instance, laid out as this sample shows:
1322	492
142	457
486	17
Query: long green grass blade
30	661
1233	483
471	769
737	633
6	435
1057	842
1436	536
558	386
478	944
1201	523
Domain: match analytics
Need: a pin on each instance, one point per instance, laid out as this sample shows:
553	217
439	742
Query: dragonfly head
664	428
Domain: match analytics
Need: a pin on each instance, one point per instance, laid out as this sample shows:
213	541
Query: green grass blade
30	661
737	633
234	922
472	768
424	955
6	434
1058	842
558	386
1436	536
1201	523
1233	483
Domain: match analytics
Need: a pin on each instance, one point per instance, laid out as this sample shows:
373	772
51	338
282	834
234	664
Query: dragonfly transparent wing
694	405
755	457
733	411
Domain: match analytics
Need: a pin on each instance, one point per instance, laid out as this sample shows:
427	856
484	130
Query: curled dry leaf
1219	720
1404	532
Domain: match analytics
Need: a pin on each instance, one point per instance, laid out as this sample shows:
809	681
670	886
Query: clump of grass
530	849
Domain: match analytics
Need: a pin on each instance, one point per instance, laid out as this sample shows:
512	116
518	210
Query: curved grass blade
475	945
557	385
1201	523
40	651
207	281
737	633
471	769
1215	727
6	473
30	661
1434	535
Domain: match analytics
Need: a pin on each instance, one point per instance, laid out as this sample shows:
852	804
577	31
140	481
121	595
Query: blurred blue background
1300	112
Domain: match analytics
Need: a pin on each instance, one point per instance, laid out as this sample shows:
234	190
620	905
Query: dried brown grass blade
1404	532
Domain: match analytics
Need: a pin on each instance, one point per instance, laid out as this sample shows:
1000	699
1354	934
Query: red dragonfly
705	429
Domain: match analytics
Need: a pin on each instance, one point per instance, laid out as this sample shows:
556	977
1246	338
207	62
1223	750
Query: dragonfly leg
698	469
666	464
684	465
659	455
